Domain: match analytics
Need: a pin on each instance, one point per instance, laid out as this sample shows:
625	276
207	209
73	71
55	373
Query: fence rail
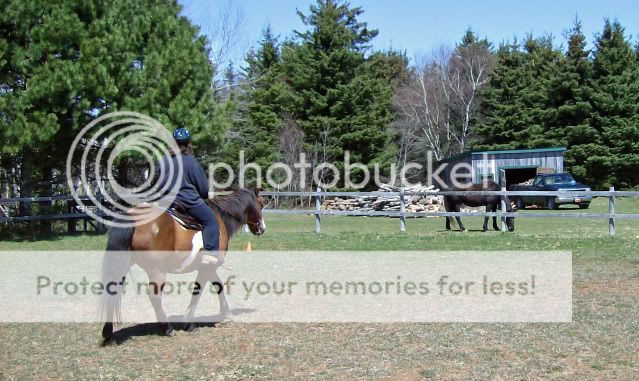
611	216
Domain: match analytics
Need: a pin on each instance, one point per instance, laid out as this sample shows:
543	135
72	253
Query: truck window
537	181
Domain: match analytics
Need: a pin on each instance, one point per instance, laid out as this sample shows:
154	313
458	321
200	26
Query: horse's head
254	218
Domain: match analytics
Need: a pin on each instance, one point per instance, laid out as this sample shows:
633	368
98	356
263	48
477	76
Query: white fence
611	216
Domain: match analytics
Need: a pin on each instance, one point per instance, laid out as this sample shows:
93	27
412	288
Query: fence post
611	212
71	222
503	209
317	210
402	211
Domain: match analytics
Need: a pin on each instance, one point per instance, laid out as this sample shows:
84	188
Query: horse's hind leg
459	222
452	206
447	208
489	208
157	279
495	226
456	209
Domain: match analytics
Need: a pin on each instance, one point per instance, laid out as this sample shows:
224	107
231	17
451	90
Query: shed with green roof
519	165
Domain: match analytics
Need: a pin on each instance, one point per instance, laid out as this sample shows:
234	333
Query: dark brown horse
163	246
453	203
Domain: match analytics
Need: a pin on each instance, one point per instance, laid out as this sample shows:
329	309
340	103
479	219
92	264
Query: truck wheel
584	206
551	203
519	203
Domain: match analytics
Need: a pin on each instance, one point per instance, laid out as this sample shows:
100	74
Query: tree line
321	91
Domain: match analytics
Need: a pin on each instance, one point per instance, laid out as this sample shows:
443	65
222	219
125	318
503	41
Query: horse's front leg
226	314
157	280
486	218
203	276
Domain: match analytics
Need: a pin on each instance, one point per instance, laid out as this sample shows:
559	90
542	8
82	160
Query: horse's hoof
484	230
190	327
167	330
108	342
226	319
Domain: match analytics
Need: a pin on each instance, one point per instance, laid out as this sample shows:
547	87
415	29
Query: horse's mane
232	207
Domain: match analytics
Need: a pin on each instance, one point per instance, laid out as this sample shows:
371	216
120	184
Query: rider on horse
193	191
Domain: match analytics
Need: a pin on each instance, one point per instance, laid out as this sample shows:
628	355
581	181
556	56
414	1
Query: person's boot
211	258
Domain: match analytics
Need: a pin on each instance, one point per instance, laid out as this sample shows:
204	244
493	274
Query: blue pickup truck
561	182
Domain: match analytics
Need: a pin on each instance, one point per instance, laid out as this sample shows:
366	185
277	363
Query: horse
167	244
453	203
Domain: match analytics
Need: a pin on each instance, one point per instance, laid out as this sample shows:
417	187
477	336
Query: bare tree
437	107
290	145
223	24
424	110
469	70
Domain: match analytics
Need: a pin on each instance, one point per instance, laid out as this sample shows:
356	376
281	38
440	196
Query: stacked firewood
527	182
412	204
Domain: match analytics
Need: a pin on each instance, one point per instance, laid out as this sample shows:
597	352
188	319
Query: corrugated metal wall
489	164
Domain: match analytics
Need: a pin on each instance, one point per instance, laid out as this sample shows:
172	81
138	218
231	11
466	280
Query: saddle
178	212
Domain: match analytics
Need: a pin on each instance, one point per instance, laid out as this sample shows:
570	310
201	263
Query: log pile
413	204
527	182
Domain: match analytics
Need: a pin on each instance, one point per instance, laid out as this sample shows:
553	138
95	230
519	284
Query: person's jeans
211	233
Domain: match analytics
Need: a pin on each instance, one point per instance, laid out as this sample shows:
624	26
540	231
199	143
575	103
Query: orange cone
248	247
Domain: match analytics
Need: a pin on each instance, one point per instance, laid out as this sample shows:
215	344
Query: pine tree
66	62
268	97
569	107
339	101
613	158
515	104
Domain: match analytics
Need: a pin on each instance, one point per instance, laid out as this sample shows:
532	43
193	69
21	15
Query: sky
419	27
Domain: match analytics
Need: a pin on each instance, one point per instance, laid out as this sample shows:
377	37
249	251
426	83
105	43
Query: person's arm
199	179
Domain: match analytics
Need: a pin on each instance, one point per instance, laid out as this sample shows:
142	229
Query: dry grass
602	343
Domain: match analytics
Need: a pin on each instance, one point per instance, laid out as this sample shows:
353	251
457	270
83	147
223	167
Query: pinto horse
164	245
453	203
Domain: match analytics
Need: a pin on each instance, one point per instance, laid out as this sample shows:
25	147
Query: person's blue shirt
194	187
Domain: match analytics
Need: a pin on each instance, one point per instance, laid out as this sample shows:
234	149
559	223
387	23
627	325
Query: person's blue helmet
182	135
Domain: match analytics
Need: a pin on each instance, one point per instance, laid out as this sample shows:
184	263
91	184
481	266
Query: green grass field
602	342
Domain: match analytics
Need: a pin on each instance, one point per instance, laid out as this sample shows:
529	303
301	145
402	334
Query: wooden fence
612	216
72	215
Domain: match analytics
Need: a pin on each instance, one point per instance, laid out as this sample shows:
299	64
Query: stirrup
209	259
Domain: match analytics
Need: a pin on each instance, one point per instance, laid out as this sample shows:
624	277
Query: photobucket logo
327	175
108	140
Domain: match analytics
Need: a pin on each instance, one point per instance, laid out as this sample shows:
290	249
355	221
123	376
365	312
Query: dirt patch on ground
602	342
328	351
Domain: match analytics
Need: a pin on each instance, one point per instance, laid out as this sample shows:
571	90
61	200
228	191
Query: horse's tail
115	266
